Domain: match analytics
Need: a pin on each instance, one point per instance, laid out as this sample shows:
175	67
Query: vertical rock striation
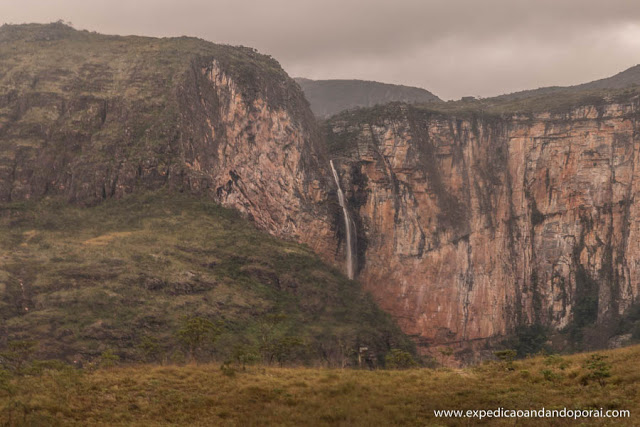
474	224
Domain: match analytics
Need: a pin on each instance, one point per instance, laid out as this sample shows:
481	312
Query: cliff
90	117
471	224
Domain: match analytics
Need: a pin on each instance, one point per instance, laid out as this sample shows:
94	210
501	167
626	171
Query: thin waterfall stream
347	222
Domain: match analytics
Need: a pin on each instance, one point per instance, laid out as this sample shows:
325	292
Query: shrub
281	349
108	359
245	356
399	359
150	349
599	369
227	369
5	384
530	339
549	375
18	354
507	357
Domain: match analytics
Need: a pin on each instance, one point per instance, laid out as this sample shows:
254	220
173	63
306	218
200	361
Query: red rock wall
471	226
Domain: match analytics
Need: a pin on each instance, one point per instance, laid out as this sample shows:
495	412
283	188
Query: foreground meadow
209	395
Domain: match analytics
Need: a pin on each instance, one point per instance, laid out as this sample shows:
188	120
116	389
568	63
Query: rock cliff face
470	225
91	117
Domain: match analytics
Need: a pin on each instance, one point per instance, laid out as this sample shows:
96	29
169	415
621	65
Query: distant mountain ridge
627	78
328	97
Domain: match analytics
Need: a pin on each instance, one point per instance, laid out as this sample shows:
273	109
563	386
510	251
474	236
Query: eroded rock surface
469	226
90	117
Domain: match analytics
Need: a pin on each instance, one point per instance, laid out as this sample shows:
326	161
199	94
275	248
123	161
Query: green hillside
123	275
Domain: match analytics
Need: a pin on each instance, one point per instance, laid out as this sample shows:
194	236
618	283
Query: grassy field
205	395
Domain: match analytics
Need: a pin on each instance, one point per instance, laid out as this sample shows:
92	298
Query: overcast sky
452	48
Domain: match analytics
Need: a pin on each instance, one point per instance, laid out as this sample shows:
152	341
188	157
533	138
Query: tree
196	333
276	343
283	348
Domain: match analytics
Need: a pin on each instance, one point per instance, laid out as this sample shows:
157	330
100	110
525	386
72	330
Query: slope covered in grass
81	281
204	395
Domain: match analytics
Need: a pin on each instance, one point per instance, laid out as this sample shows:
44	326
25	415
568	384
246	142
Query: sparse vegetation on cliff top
493	108
55	58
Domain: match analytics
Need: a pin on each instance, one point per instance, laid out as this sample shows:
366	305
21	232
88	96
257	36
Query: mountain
473	223
90	125
89	117
328	97
627	78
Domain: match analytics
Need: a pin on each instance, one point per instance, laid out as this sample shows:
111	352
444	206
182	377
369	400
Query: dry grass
203	395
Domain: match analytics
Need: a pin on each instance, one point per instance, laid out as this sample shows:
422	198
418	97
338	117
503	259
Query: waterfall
347	224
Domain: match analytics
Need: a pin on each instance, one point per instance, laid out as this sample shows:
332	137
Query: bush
549	375
507	357
555	360
399	359
108	359
599	369
245	356
530	339
281	349
5	384
227	369
150	349
18	354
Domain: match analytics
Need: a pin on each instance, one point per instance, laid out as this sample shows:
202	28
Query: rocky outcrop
471	224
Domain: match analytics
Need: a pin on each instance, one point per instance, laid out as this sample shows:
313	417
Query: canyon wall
472	224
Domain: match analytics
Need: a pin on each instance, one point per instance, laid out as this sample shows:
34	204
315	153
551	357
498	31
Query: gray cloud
453	48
